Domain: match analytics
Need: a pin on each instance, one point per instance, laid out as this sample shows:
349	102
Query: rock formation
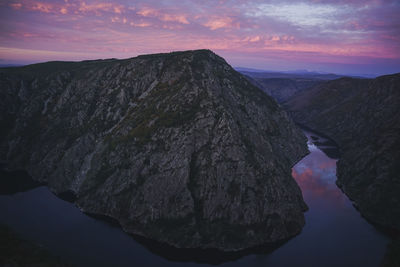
177	147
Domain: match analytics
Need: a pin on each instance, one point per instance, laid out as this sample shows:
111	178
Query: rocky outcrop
363	117
177	147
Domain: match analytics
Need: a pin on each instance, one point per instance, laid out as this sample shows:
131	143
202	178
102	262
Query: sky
339	36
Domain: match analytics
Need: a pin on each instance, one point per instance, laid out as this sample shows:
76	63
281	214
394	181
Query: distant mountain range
283	85
302	73
10	65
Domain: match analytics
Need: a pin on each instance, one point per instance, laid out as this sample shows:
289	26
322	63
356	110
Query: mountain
363	117
289	74
10	65
179	148
283	85
281	89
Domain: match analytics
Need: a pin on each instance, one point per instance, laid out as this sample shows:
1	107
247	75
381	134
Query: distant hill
288	74
283	85
10	65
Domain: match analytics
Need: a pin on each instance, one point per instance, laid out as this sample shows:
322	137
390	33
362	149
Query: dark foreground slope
363	117
15	251
178	147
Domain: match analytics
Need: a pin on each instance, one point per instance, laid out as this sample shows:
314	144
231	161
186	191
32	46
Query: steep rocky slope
363	117
178	147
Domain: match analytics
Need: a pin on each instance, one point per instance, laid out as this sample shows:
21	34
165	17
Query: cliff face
363	117
178	147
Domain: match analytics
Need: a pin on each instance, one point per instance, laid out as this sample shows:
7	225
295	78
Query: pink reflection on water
316	176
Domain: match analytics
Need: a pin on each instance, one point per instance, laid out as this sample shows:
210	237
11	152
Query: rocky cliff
177	147
363	117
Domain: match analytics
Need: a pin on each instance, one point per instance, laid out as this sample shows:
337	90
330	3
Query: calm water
334	235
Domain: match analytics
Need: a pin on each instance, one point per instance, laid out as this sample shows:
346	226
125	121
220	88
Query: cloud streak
312	34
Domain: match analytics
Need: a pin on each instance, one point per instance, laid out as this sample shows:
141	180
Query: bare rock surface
177	147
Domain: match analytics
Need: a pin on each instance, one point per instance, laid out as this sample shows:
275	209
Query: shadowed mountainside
177	147
282	86
363	117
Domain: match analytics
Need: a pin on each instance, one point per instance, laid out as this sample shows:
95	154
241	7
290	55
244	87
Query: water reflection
334	234
316	176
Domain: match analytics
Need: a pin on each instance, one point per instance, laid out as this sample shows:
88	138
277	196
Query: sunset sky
351	37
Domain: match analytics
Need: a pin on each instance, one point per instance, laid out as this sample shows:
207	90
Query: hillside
282	86
179	147
363	117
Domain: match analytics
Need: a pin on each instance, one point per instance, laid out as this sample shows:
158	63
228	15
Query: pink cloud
75	6
141	24
235	28
221	22
151	12
42	7
16	5
98	7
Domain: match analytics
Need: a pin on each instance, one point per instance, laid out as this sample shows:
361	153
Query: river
334	235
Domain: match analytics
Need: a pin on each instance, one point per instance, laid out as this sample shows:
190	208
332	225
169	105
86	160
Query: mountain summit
177	147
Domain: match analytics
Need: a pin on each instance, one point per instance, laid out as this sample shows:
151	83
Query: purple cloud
315	33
